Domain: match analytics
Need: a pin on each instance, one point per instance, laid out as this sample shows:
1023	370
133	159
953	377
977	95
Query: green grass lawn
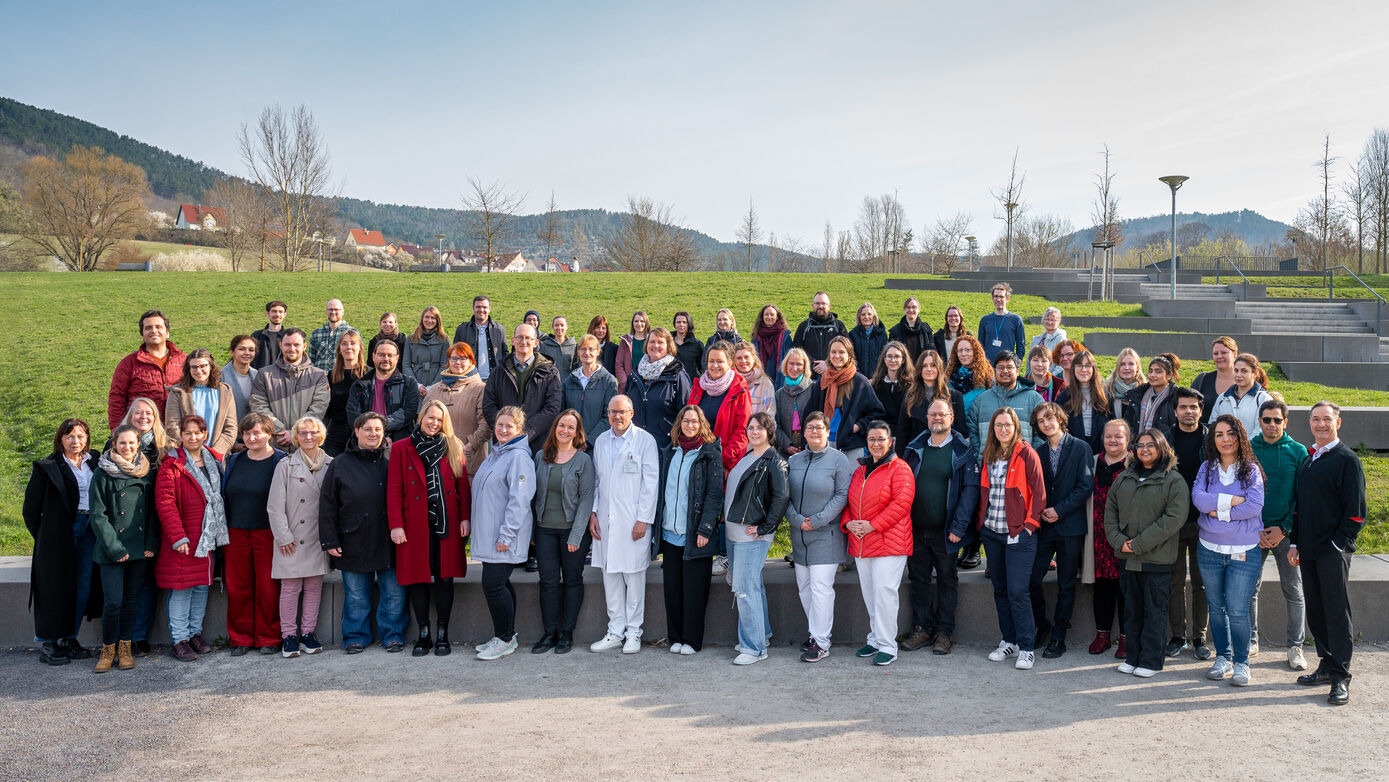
87	322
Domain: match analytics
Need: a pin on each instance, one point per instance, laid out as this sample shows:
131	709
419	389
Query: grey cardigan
502	489
819	492
424	360
577	478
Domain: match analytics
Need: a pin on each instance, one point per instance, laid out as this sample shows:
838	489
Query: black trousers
1146	594
501	598
441	589
561	579
686	588
1067	549
1325	587
1107	598
933	610
120	586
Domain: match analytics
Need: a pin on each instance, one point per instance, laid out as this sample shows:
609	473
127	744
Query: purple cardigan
1245	520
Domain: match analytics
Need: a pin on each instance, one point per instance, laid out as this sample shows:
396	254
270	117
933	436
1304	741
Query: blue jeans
1229	587
84	540
1010	567
186	610
746	559
144	604
391	616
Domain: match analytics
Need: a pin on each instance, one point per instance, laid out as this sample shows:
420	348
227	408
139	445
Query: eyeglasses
1270	420
879	440
1145	447
816	428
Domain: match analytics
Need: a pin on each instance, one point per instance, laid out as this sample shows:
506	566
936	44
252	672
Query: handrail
1330	279
1226	258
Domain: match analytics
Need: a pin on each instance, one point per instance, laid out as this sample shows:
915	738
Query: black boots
423	644
441	642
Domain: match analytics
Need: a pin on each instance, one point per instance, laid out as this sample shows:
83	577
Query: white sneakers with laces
1003	652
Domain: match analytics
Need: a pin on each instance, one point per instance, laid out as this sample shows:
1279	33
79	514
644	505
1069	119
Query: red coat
138	375
732	422
884	499
1026	491
179	502
407	508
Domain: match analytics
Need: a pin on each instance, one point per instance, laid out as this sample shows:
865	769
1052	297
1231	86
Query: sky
804	108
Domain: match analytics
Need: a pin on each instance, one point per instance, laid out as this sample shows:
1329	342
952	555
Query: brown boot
124	659
106	658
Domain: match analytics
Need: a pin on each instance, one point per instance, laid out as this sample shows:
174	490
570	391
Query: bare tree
549	233
1357	194
648	239
827	247
287	158
749	232
1327	206
1376	162
1039	241
942	244
1320	225
248	220
882	230
82	206
489	212
844	259
578	242
1009	199
1105	209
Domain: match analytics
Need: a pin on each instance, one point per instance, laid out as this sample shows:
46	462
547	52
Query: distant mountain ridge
1255	229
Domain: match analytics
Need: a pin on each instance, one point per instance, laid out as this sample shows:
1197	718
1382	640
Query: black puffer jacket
656	402
760	498
352	510
705	503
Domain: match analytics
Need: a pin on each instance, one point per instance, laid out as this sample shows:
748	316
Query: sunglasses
1272	420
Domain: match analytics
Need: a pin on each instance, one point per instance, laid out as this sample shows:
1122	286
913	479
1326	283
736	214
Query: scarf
1121	388
799	381
431	451
731	337
1149	405
315	465
712	387
650	370
962	380
116	466
832	381
768	342
691	443
449	379
214	532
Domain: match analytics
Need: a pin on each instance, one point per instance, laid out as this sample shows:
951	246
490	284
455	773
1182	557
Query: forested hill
1255	229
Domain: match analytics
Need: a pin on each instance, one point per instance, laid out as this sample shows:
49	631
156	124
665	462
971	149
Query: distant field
173	248
87	322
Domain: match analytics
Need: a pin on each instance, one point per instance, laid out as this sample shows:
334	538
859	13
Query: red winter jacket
179	502
884	499
1026	491
731	425
407	508
138	375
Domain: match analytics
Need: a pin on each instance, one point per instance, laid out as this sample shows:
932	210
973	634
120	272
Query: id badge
998	343
630	465
1237	557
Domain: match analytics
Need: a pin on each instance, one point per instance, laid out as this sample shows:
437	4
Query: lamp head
1173	181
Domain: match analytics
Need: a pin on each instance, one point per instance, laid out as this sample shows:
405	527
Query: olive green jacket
1149	512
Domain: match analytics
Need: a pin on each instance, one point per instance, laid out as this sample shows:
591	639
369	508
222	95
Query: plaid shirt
323	343
996	519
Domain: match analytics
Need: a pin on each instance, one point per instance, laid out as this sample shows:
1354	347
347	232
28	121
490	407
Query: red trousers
253	597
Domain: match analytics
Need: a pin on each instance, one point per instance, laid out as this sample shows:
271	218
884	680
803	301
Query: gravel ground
652	715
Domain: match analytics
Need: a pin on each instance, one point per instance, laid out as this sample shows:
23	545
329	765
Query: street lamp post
1174	181
973	250
440	238
318	239
1106	275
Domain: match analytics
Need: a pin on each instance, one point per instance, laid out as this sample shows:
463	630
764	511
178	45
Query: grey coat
591	401
577	481
502	491
819	492
424	360
293	510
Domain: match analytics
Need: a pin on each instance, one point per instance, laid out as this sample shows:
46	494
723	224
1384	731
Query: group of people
898	451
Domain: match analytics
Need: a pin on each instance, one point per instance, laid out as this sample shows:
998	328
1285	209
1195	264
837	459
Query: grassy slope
68	370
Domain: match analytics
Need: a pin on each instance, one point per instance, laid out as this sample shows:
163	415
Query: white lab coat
629	475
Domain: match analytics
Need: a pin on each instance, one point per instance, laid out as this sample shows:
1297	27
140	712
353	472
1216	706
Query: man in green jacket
1279	454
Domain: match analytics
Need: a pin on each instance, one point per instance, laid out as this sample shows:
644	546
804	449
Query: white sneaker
1124	667
748	659
607	643
632	645
720	565
1253	648
688	650
1220	669
1146	673
1003	652
1025	660
499	648
1296	660
1241	675
677	648
491	645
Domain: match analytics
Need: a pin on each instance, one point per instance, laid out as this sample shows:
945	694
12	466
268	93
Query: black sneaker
814	654
141	648
1201	650
76	651
310	643
53	653
809	642
532	564
395	646
354	649
1174	646
289	647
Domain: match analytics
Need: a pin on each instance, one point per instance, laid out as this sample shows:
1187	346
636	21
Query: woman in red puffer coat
878	523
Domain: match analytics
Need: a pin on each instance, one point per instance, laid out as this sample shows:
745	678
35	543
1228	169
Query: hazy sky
805	107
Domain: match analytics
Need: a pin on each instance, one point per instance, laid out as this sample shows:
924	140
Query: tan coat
293	509
464	403
221	434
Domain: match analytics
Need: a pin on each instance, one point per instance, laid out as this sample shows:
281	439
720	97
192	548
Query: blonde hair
868	305
454	445
161	437
317	423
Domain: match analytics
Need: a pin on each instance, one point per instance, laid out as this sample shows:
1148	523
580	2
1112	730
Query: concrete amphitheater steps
1303	318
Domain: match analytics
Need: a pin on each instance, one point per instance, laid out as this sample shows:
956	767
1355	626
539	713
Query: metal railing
1330	278
1245	295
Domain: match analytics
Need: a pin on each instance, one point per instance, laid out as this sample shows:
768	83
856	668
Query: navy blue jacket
1098	418
1069	488
962	496
655	403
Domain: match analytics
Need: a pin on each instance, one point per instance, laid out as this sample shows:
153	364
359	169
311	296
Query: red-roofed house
360	239
196	217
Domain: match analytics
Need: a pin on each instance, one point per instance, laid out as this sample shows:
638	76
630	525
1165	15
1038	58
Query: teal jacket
122	517
1280	461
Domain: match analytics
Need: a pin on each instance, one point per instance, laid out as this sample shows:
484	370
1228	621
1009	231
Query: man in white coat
628	465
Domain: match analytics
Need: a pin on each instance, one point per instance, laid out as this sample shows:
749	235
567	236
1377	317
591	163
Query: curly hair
1244	450
983	370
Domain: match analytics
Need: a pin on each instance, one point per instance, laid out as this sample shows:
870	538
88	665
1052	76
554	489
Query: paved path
652	715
